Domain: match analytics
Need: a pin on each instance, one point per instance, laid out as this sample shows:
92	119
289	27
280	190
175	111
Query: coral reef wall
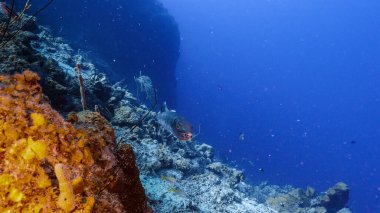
54	60
131	36
55	165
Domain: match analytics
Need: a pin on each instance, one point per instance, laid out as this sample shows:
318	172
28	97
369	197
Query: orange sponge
42	157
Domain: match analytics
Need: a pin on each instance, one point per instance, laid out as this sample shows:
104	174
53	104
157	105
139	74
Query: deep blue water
299	78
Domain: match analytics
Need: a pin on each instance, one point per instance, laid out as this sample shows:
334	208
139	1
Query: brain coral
47	164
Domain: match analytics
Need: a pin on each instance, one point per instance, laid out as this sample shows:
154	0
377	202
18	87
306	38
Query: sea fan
144	85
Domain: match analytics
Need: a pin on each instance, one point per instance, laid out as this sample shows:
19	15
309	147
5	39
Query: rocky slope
127	35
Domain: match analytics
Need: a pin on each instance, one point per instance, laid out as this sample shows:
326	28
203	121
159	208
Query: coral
81	86
50	165
144	85
299	200
203	184
72	117
125	116
14	22
335	198
292	201
235	176
205	150
35	48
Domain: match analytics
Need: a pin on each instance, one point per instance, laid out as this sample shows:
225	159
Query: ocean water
300	80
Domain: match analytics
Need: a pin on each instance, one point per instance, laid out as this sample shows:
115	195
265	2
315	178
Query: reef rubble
186	177
114	168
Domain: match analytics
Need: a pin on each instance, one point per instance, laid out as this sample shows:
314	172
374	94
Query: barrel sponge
45	161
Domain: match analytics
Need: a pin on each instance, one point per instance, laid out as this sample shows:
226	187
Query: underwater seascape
236	106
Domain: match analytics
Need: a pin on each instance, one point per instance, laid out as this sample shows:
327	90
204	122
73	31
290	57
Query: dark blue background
299	78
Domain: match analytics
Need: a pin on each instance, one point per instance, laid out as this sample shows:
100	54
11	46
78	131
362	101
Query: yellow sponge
66	199
15	195
37	119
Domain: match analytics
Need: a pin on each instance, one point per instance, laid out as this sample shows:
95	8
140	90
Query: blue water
299	78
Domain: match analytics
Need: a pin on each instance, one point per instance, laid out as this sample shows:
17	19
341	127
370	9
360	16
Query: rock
176	174
30	25
335	198
290	202
345	210
119	168
298	200
125	116
216	167
135	196
310	192
100	86
205	150
234	176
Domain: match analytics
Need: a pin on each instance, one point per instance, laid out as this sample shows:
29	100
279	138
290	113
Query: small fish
169	179
261	169
353	142
178	191
175	124
242	136
6	10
